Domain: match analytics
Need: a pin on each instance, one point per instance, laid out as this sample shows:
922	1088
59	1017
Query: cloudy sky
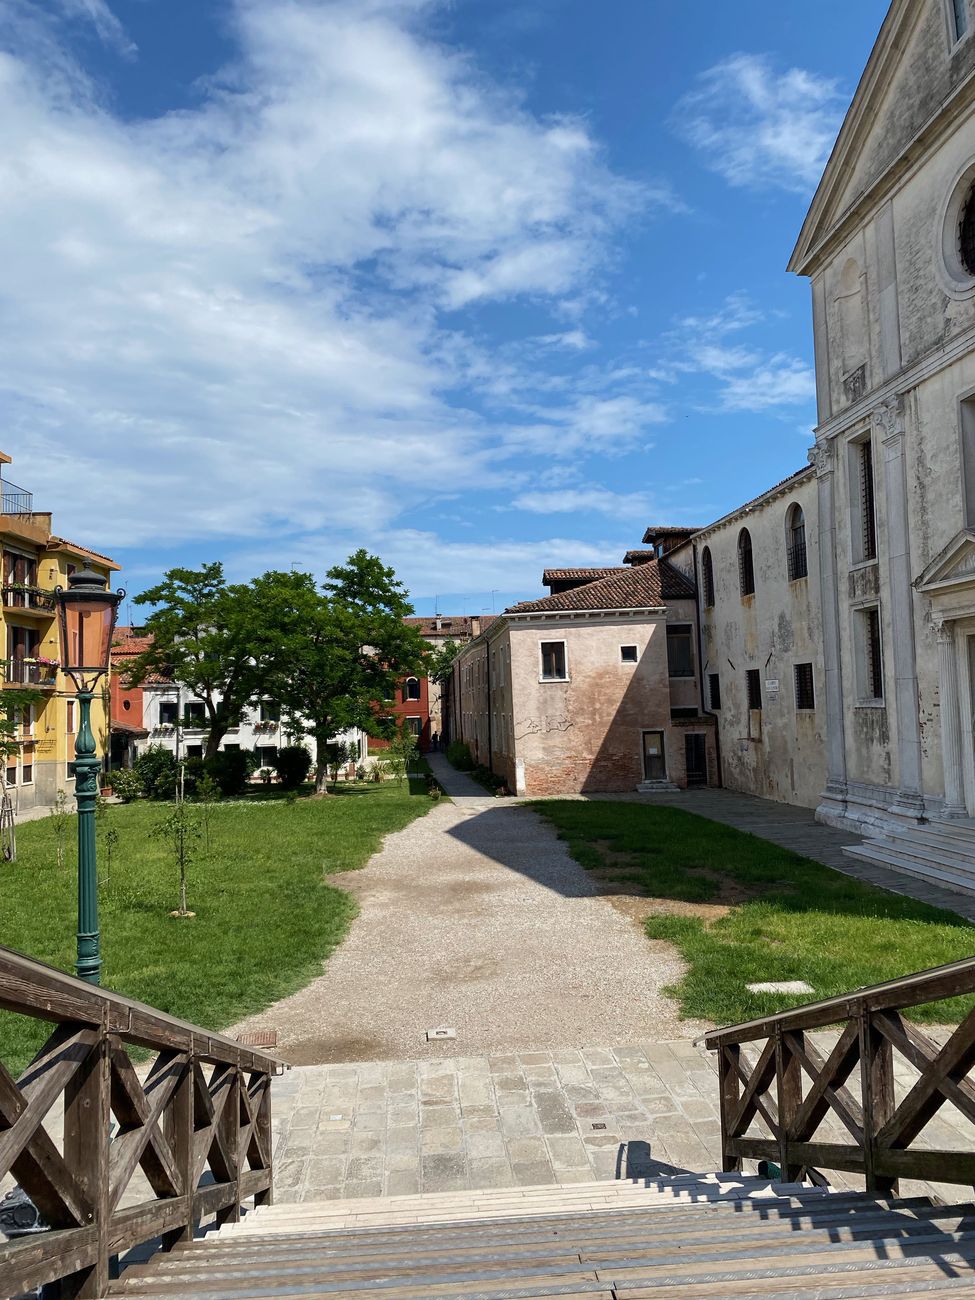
481	286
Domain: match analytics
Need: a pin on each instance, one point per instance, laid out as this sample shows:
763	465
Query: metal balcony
15	500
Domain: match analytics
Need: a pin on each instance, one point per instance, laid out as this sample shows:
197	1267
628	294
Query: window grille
714	691
868	514
874	654
796	549
746	565
707	578
753	682
805	689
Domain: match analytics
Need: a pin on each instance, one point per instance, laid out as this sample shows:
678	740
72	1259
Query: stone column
889	422
954	805
833	805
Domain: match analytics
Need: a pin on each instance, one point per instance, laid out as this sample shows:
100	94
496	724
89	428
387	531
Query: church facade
889	248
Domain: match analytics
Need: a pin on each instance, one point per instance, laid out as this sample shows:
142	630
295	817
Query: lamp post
87	611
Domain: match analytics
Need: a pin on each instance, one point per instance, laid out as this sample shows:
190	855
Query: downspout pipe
487	683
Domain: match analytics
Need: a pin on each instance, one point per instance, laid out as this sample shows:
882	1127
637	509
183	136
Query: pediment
953	567
905	83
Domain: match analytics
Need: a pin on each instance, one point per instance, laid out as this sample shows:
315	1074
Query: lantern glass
86	615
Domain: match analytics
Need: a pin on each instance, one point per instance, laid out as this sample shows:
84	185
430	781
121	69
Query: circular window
126	704
956	268
966	234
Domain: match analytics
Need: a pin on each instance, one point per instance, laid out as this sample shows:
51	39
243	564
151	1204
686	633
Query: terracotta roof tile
576	575
645	586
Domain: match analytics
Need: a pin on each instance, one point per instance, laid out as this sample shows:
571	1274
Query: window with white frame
869	655
629	654
968	460
553	661
411	689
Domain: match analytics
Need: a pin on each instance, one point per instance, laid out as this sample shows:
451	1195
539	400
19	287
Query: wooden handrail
198	1125
766	1115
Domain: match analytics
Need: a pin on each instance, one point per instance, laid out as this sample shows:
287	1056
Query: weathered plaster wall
779	752
586	734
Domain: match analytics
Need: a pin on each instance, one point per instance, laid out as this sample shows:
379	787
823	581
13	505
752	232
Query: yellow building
34	562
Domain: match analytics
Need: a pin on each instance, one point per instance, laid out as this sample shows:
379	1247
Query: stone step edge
927	849
955	882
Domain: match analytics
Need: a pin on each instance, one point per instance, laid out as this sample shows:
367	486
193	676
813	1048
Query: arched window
707	577
411	690
746	566
795	542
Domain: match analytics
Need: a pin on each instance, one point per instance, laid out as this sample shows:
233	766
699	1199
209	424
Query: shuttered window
707	578
714	691
753	682
746	565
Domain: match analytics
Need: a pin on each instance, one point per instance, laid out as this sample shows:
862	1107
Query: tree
440	661
209	636
341	649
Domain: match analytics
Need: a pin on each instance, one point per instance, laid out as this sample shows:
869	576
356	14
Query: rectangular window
869	655
863	497
753	683
266	754
194	751
714	691
805	690
231	749
680	650
959	13
27	771
414	726
12	772
270	711
168	713
968	460
628	654
69	717
195	713
553	661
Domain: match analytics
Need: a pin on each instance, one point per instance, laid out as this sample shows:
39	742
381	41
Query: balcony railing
14	500
197	1123
18	595
775	1101
28	672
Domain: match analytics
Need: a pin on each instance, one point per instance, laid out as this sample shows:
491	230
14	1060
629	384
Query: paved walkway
476	919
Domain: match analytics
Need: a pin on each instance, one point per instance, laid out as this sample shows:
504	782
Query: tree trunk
321	763
214	737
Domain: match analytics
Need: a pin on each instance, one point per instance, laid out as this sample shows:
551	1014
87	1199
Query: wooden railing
197	1122
788	1089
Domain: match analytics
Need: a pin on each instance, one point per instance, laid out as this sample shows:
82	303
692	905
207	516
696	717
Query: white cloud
759	127
105	23
230	320
599	500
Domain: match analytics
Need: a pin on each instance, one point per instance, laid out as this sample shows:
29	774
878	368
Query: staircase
940	852
713	1235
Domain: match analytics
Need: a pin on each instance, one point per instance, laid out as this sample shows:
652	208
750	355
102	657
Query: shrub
127	784
230	768
194	771
157	770
459	755
293	763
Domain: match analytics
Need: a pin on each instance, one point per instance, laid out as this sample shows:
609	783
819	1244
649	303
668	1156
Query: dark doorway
695	758
654	761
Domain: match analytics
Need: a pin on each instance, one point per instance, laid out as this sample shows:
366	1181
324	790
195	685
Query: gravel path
476	918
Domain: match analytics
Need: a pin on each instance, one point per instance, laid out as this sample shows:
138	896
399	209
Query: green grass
796	919
266	913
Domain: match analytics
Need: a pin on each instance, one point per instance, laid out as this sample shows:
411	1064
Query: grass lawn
266	913
785	918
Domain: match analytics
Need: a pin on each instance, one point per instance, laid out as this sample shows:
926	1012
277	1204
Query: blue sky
482	286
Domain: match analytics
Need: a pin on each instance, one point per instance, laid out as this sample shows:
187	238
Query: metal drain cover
439	1035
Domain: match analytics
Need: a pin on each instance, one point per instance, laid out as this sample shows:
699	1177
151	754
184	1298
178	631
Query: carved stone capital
821	458
944	628
888	419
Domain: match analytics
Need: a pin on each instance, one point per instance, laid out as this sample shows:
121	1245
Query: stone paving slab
394	1128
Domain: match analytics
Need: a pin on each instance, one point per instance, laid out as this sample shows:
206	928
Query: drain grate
259	1038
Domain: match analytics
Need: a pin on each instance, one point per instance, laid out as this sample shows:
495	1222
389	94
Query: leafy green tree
341	649
440	661
209	636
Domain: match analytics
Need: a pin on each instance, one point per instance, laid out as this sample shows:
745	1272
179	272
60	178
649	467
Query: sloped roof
129	642
783	485
62	544
575	575
645	586
451	625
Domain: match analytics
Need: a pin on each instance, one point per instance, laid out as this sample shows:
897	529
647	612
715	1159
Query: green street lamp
87	611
